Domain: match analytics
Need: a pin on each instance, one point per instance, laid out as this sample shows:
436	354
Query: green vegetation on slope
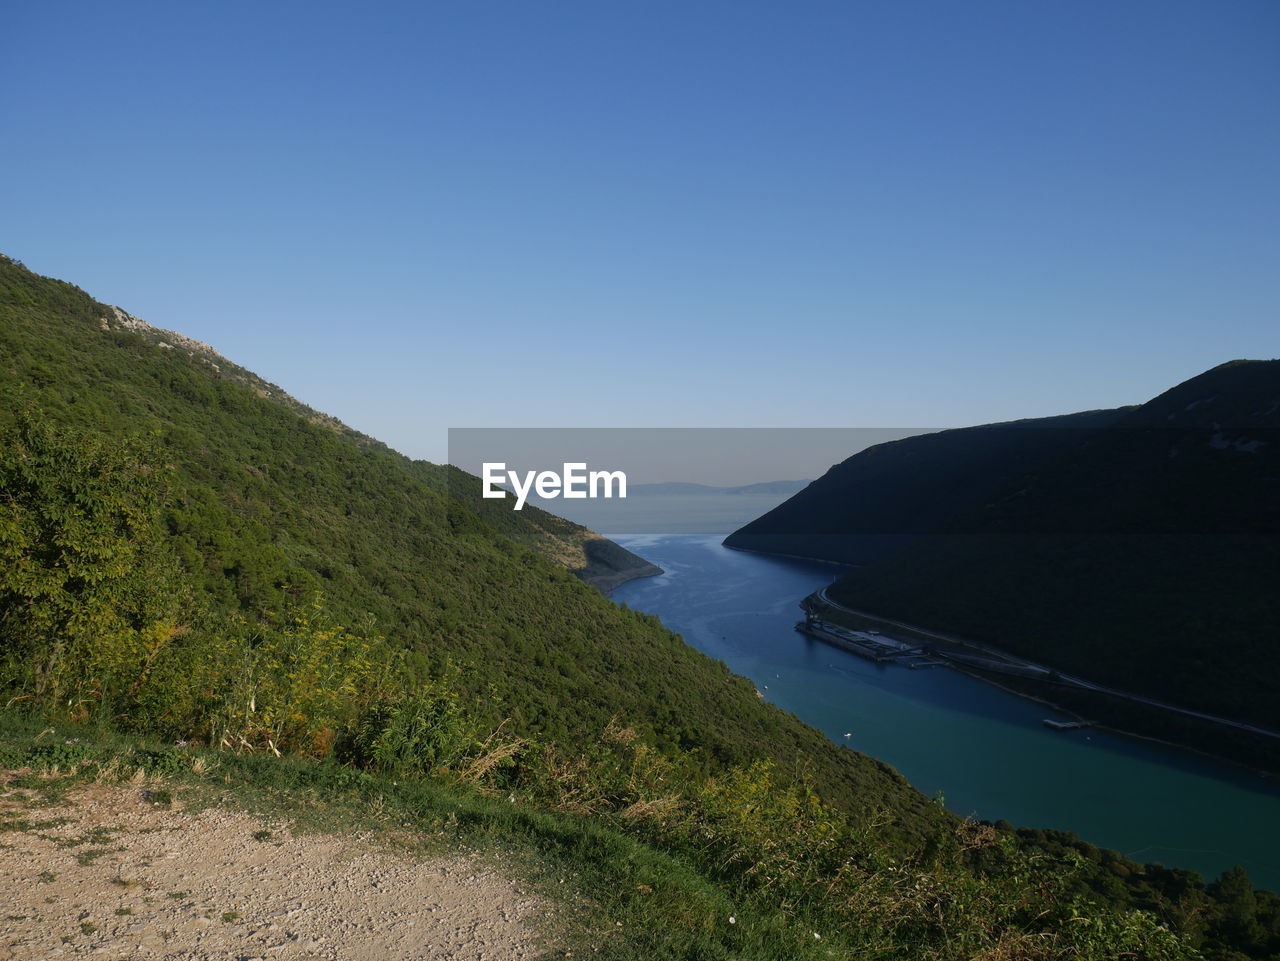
267	504
646	865
189	554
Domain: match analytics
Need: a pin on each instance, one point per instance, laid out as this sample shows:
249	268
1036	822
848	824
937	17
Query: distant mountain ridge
673	507
664	488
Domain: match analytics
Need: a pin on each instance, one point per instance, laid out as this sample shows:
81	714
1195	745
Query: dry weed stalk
492	753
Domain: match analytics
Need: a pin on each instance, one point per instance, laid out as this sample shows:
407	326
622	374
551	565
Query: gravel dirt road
108	873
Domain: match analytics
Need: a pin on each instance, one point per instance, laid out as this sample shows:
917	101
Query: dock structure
883	649
873	647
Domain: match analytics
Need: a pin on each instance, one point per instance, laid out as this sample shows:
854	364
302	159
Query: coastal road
1058	676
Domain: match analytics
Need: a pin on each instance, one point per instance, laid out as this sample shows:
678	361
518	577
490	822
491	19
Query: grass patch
620	887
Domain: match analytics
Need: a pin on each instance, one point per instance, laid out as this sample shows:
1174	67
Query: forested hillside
186	552
266	503
1135	547
881	499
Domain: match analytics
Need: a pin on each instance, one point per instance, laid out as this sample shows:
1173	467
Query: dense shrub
90	593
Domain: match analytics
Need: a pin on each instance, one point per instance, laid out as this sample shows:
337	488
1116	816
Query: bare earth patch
108	873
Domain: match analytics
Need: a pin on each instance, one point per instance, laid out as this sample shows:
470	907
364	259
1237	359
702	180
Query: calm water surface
985	751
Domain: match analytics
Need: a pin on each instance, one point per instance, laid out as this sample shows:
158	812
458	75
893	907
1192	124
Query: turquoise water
985	751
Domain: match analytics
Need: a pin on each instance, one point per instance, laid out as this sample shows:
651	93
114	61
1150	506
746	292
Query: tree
89	589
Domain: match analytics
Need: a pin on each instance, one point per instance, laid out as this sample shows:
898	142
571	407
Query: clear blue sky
663	214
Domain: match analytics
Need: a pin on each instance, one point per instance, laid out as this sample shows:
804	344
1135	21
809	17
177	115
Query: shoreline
609	565
1264	774
1183	766
608	582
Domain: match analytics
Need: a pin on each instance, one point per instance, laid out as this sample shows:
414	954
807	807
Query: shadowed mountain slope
1137	548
